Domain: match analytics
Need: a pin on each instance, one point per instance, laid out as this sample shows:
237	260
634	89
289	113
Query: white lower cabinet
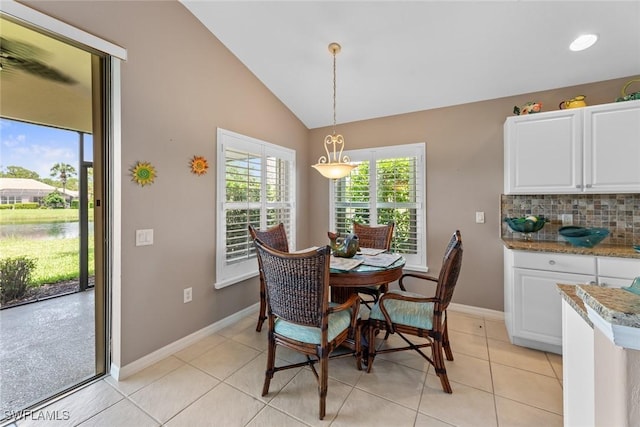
533	310
538	319
617	272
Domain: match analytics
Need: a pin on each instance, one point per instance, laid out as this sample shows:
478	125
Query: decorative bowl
573	231
589	238
529	224
636	248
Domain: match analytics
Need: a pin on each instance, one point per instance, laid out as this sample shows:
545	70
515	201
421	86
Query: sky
38	148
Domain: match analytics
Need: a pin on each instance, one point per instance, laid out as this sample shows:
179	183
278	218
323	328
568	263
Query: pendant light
334	165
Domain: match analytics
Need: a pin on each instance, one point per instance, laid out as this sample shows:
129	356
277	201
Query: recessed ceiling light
583	42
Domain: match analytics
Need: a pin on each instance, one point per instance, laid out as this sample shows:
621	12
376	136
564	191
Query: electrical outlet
479	217
187	295
567	219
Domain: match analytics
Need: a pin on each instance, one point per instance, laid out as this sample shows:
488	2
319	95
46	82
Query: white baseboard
120	373
477	311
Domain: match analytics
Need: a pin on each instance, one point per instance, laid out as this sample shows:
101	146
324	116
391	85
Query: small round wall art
199	165
143	173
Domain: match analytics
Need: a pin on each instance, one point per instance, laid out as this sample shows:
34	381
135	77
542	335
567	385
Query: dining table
345	282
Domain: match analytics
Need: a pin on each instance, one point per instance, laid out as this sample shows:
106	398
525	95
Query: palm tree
64	172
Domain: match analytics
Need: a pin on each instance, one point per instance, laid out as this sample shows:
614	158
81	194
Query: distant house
24	190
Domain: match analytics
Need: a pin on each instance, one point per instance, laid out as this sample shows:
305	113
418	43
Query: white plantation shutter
255	186
399	198
352	200
388	185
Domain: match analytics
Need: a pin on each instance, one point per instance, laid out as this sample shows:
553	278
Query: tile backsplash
619	213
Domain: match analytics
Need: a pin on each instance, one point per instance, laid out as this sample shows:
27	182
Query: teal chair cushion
338	322
416	314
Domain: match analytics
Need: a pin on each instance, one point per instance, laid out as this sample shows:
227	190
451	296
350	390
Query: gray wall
180	83
464	150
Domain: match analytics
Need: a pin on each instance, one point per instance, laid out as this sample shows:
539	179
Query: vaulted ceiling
397	56
403	56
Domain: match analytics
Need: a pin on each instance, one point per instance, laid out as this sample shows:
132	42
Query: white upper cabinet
612	148
543	153
591	149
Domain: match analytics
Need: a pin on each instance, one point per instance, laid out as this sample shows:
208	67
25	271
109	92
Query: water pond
43	231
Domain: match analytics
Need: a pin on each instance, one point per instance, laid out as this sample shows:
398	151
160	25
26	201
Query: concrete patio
45	347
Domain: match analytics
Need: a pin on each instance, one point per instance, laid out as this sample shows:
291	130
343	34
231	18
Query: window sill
417	268
236	279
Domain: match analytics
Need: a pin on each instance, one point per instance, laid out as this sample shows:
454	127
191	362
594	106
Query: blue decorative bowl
573	231
584	237
636	248
526	225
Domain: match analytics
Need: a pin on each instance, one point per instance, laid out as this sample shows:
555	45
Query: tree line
61	175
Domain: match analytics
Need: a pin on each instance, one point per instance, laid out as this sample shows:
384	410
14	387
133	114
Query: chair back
451	264
374	237
274	237
297	284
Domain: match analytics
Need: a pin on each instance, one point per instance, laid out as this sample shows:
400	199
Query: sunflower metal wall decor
143	173
199	165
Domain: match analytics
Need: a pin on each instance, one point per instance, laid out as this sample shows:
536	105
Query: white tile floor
218	382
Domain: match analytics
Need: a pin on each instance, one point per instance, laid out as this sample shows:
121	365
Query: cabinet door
543	153
538	313
612	148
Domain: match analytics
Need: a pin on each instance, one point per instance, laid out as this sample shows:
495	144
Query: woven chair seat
338	322
418	315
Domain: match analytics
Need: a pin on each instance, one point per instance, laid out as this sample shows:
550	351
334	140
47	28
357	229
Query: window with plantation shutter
388	185
255	186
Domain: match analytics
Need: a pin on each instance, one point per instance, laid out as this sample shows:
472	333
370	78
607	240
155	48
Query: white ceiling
404	56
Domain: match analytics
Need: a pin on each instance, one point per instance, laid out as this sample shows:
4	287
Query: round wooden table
345	283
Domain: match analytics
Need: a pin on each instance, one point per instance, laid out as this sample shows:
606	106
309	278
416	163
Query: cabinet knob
588	186
552	262
578	186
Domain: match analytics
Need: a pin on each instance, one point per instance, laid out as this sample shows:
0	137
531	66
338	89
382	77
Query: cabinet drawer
619	267
580	264
613	282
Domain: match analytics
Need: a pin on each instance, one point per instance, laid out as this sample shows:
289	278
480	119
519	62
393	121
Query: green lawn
33	216
56	259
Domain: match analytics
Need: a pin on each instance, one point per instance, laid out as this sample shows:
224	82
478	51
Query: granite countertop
616	306
564	247
569	294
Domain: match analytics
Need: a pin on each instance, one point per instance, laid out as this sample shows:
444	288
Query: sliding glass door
53	305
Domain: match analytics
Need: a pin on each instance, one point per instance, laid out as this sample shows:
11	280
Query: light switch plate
144	237
479	217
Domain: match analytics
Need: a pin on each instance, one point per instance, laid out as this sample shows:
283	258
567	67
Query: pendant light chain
334	92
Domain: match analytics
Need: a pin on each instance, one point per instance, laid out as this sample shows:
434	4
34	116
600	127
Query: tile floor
218	382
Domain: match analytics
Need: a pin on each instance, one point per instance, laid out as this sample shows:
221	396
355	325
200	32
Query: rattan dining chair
300	316
408	313
375	237
276	238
